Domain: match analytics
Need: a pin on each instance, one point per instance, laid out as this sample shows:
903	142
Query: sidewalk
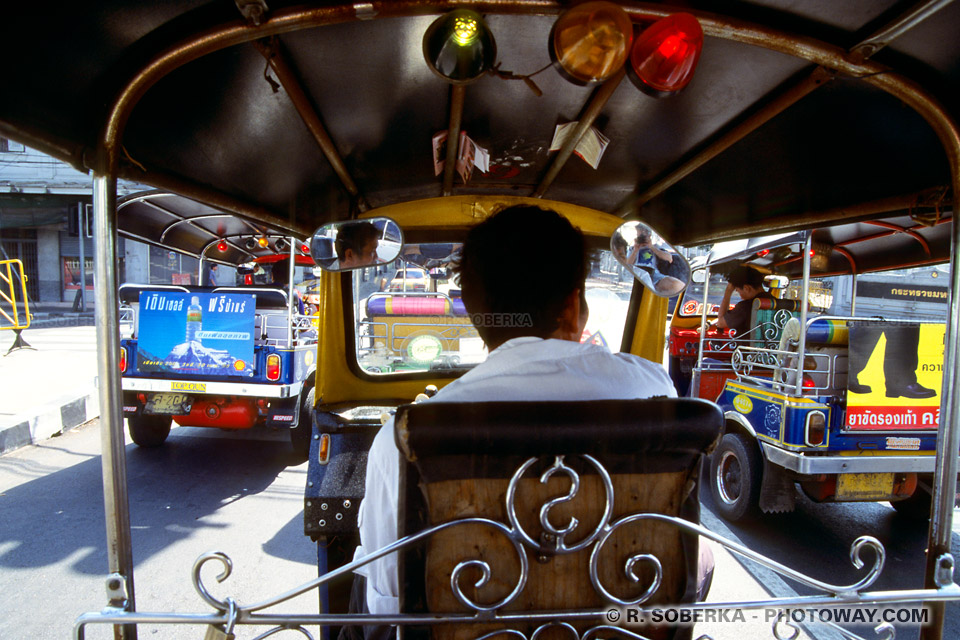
49	388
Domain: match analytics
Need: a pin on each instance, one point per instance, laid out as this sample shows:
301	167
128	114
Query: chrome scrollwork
198	585
559	544
229	612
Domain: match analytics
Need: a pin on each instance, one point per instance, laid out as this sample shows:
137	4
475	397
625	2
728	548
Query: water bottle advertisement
208	334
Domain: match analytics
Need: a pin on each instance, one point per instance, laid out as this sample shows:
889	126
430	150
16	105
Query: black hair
743	275
355	235
517	269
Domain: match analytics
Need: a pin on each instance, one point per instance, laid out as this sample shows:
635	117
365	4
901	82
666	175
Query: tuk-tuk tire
916	507
149	431
735	475
300	434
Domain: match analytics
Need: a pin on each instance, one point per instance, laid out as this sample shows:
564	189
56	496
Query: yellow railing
10	272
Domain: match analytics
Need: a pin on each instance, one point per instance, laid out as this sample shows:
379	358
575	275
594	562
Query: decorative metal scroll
229	614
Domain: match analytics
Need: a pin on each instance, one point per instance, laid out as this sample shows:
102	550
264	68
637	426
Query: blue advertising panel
207	334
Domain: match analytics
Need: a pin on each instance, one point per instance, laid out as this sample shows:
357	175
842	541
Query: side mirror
355	244
700	276
245	269
655	263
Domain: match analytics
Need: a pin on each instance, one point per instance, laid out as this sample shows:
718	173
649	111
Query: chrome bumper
212	388
814	465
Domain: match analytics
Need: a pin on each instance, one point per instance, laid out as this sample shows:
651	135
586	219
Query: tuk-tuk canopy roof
199	230
812	118
857	247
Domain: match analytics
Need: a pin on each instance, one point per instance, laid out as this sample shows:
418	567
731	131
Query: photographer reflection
656	262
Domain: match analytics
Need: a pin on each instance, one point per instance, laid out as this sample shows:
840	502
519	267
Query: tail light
816	430
273	367
123	359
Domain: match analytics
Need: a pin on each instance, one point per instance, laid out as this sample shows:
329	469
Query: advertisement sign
207	334
894	377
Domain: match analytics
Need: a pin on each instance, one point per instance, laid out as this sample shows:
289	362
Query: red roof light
665	55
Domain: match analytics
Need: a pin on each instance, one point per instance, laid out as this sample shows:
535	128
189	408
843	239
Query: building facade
46	223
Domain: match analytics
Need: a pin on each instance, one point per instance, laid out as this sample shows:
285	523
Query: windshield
692	303
409	316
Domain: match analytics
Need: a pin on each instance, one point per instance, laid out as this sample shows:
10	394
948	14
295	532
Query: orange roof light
591	41
665	55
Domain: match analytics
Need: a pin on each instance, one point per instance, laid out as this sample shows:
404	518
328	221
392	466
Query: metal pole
82	233
291	291
590	113
948	441
458	93
801	348
115	500
853	296
695	376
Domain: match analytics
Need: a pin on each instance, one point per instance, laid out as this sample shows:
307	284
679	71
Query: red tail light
665	54
123	359
273	367
816	428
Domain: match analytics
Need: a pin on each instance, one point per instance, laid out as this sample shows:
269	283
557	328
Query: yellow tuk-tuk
703	121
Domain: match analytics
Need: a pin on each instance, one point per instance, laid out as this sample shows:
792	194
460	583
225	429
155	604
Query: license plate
168	404
865	486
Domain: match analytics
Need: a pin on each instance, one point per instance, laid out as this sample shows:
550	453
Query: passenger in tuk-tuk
748	283
357	244
533	336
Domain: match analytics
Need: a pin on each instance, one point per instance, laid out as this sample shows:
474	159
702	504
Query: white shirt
527	368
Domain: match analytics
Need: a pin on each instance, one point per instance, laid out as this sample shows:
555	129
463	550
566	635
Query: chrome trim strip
813	465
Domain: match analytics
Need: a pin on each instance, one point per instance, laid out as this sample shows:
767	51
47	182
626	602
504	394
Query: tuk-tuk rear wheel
916	507
149	431
735	476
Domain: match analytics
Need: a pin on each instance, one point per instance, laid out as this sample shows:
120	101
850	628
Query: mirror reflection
355	244
653	261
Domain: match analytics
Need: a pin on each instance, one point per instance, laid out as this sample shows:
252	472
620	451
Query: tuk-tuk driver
747	282
357	244
538	358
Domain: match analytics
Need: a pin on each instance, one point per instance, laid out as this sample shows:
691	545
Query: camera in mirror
654	262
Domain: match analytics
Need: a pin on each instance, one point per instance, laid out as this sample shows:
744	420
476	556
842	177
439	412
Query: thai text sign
207	334
894	377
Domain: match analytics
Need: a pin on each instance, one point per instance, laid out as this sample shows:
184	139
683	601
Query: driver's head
522	273
747	281
356	244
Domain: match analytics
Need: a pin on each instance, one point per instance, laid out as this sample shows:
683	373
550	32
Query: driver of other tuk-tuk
357	245
281	278
748	283
538	356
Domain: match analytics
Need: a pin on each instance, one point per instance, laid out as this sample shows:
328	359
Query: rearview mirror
355	244
654	262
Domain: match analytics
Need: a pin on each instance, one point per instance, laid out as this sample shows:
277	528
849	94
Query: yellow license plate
168	404
865	486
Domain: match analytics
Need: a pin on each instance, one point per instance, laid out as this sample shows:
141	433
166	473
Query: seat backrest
768	317
463	461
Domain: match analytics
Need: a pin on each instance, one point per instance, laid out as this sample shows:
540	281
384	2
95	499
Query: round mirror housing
356	244
655	263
